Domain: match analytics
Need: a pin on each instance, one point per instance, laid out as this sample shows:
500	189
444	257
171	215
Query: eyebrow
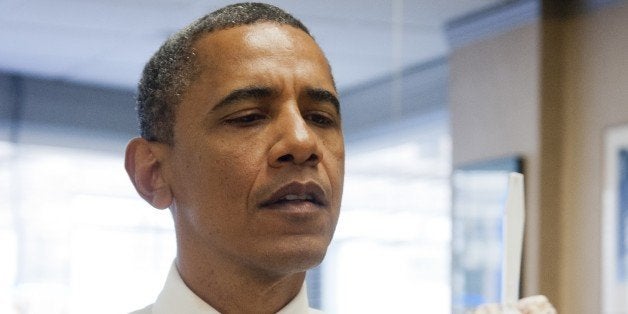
257	92
246	93
323	95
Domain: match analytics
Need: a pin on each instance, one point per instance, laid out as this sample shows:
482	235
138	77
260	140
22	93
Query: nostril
290	158
286	157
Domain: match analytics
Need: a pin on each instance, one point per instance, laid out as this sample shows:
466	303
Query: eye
321	119
246	119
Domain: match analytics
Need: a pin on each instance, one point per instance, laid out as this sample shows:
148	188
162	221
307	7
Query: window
75	236
391	250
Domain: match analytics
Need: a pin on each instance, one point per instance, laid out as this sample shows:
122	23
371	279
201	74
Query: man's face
257	164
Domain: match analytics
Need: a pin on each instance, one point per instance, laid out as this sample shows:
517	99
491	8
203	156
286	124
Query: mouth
297	194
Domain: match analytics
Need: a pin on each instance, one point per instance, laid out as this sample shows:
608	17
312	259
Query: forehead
260	47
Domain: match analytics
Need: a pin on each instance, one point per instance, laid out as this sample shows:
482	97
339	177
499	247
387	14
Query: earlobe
145	170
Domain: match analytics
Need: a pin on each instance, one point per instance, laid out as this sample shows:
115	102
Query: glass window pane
75	232
391	250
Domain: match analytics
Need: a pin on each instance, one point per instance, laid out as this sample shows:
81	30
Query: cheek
335	169
214	190
230	173
337	160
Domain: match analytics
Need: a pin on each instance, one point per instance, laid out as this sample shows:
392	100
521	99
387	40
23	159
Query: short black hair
171	69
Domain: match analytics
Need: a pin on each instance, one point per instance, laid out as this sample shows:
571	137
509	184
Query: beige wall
596	97
504	99
494	113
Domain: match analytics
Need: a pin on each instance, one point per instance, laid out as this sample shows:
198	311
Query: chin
296	256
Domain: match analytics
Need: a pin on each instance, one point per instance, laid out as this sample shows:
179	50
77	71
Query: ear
144	166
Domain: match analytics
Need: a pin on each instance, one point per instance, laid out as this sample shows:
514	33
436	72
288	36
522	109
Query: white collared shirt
176	297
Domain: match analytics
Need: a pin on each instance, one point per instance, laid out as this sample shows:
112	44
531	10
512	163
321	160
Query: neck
230	288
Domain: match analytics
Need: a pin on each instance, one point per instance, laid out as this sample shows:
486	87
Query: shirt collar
176	296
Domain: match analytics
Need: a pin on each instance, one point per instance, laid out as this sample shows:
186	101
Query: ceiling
107	42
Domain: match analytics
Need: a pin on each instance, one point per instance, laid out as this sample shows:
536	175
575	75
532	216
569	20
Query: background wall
494	112
595	89
549	90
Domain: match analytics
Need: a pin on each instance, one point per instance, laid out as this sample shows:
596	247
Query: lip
311	189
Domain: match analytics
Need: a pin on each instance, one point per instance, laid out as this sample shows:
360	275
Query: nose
295	142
